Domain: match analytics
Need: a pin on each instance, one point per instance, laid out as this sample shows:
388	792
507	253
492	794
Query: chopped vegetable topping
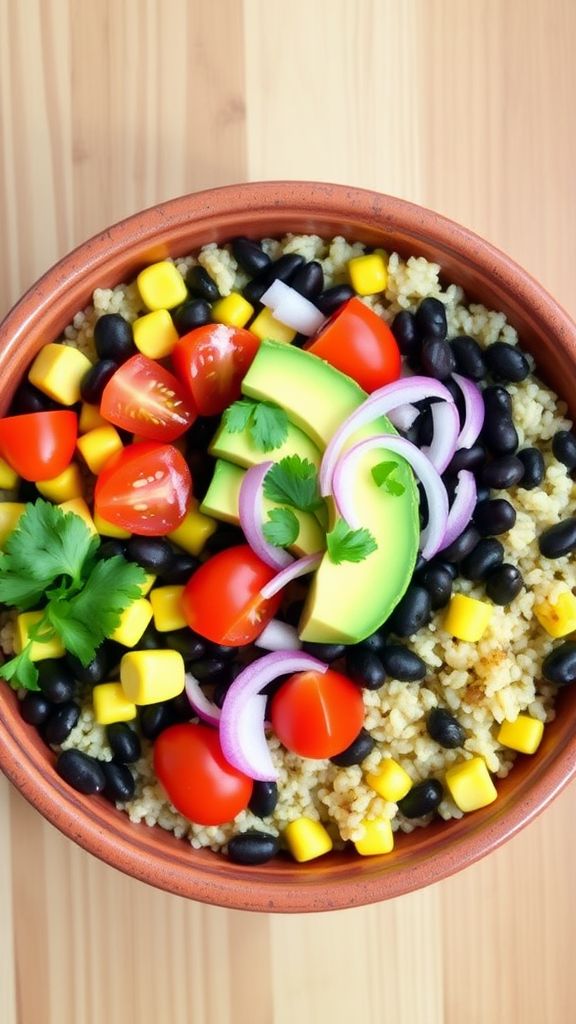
346	545
282	527
267	422
293	481
383	475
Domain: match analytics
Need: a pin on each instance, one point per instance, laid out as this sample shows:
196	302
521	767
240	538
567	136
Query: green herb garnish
383	475
267	423
293	481
346	545
282	527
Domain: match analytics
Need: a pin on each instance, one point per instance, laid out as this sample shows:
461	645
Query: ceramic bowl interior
257	210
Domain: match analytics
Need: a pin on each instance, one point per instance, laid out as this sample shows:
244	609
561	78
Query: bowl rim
62	806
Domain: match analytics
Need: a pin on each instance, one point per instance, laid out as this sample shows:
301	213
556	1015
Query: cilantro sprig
293	481
51	559
346	545
266	422
383	475
282	527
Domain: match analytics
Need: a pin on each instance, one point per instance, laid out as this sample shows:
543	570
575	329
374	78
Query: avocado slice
221	502
349	601
240	448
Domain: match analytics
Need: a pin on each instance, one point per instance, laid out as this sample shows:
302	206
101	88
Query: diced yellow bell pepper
58	370
524	734
193	532
307	839
106	529
149	677
79	507
378	838
10	512
467	618
368	274
558	617
155	334
39	650
99	445
64	487
148	583
111	704
90	418
133	622
470	785
267	326
161	286
233	310
8	477
390	781
167	608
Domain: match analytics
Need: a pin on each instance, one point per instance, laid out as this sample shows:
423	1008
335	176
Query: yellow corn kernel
64	487
524	734
167	608
470	784
193	532
8	477
58	370
233	310
90	418
390	781
97	446
307	839
149	581
155	334
368	274
467	618
558	617
106	529
148	677
111	704
378	838
79	507
10	512
161	286
133	622
267	326
39	650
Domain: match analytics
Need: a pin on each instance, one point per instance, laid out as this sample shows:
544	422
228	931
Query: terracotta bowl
176	228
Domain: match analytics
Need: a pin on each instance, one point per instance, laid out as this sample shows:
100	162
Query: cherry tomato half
189	762
146	399
212	361
145	488
317	714
39	445
357	342
222	600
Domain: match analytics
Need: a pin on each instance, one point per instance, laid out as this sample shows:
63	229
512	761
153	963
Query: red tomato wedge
145	488
317	714
189	763
212	361
222	600
39	445
357	342
146	399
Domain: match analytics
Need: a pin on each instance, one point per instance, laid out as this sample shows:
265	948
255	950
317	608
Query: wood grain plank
7	973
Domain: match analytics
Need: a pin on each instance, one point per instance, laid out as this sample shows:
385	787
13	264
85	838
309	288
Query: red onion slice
298	568
461	509
380	403
437	498
403	417
278	636
445	430
242	723
206	710
292	308
473	411
251	513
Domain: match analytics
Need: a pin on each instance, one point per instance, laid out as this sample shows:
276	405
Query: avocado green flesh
221	502
239	447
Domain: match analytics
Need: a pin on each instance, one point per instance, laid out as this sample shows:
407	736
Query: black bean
123	742
507	471
220	691
190	315
309	280
559	666
483	559
119	782
60	722
28	399
534	467
494	516
207	668
188	644
282	269
250	255
499	433
264	799
506	362
467	458
564	448
222	652
150	640
331	300
56	680
365	668
199	282
400	663
357	751
325	652
376	642
437	580
437	359
154	554
445	729
224	537
469	357
462	546
422	799
252	848
497	399
154	718
181	707
96	379
113	338
111	549
406	334
425	428
199	435
504	584
431	319
34	708
82	772
183	567
482	493
558	540
293	612
413	612
95	671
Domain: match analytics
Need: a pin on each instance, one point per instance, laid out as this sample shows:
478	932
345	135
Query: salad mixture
286	532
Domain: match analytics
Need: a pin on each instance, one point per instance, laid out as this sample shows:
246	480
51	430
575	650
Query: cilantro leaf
282	527
20	671
293	481
237	415
269	427
19	591
383	475
346	545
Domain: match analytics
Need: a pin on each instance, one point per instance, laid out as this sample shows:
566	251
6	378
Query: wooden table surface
109	106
